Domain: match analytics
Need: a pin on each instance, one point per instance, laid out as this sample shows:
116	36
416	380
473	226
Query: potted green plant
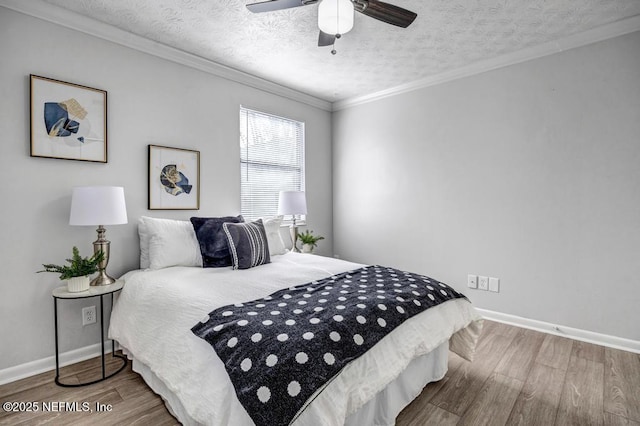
76	274
309	241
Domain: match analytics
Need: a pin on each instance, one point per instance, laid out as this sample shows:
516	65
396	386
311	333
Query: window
271	160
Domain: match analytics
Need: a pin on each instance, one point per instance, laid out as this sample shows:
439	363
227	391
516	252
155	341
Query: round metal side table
94	291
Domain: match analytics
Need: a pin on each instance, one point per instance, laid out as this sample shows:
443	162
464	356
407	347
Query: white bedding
153	316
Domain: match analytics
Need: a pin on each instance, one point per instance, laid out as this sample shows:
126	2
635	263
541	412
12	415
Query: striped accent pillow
247	244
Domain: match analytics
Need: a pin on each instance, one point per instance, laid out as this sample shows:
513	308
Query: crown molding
604	32
69	19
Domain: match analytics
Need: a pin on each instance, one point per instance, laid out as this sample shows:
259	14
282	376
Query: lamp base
293	230
102	279
102	245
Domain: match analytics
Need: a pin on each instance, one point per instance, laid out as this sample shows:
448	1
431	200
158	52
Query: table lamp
99	206
292	203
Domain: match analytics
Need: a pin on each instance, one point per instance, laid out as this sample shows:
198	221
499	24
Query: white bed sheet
154	314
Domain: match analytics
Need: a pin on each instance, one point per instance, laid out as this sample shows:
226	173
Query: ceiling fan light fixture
335	16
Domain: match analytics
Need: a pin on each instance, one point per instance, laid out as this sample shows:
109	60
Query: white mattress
154	314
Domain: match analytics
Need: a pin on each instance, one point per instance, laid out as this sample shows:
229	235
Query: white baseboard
560	330
32	368
43	365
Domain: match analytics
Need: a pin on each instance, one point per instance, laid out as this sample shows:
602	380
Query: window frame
245	163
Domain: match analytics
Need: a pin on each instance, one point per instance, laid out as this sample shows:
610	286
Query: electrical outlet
494	284
88	315
483	283
472	281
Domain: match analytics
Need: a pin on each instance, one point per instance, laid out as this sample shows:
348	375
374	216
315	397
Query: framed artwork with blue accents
174	178
68	121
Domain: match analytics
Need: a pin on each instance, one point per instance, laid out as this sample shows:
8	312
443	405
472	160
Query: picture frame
174	178
67	121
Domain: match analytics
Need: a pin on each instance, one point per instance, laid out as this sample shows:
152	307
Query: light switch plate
494	284
472	281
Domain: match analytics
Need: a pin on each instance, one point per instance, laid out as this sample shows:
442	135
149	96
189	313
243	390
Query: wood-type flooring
519	377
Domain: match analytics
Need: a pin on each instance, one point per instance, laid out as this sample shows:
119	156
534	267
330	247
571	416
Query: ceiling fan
335	17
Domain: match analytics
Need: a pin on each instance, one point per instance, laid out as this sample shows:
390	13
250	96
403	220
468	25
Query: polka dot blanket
281	350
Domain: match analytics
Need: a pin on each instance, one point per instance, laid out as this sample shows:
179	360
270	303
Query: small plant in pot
76	274
309	241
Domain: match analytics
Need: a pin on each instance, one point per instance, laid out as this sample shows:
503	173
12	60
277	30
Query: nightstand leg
104	370
55	322
113	342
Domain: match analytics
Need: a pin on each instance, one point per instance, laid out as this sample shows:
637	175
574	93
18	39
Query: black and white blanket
281	350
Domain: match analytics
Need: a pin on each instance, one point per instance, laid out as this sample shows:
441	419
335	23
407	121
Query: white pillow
274	239
143	233
170	243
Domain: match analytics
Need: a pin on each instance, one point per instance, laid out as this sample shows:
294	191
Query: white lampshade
98	205
335	16
292	203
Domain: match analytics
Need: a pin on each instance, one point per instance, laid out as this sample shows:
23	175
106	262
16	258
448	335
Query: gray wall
530	173
150	101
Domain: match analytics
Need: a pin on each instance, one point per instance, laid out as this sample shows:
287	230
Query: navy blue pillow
212	239
247	244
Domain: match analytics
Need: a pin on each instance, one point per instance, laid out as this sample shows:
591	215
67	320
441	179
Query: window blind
271	160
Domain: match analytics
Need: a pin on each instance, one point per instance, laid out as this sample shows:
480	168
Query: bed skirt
382	410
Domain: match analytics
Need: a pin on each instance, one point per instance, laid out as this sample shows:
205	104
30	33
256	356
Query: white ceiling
281	46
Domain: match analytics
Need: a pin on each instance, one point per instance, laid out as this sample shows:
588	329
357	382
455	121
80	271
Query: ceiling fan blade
272	5
386	12
325	39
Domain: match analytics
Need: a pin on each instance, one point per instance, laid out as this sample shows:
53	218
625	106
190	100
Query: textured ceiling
282	46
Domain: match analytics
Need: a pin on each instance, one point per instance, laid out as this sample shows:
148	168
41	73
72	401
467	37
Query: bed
158	307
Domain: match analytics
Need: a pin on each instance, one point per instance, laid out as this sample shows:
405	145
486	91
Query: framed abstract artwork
68	121
174	178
